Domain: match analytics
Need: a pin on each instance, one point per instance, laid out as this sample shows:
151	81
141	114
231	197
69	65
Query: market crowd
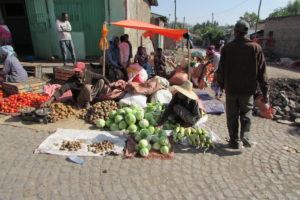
237	71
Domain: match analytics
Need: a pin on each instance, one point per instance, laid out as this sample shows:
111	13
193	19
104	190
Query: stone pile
285	99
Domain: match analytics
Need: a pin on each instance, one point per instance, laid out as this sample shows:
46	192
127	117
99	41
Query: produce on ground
13	103
157	140
285	98
100	147
99	110
1	94
196	137
71	145
61	111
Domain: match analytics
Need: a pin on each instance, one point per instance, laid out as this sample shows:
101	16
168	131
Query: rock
277	108
295	115
277	117
280	112
286	117
287	109
297	120
292	104
284	122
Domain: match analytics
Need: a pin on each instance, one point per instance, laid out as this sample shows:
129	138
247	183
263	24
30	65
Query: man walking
65	40
241	68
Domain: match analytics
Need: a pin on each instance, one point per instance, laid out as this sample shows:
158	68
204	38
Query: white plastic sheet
52	143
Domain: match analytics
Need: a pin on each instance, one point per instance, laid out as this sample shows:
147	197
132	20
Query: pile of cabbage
151	139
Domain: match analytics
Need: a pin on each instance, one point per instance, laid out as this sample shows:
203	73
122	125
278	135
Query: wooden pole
104	57
257	18
189	57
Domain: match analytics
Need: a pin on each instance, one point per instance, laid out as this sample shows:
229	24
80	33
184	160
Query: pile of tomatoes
1	94
13	103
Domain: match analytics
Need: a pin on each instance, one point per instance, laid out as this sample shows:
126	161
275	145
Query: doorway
14	14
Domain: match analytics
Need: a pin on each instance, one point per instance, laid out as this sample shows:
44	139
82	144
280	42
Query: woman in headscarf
12	68
213	59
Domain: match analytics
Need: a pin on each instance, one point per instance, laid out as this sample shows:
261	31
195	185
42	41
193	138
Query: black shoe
247	143
234	144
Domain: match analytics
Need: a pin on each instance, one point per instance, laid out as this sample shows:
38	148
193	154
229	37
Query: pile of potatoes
100	147
61	111
99	110
70	145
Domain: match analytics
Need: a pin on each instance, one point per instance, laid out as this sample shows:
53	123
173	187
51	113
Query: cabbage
108	123
164	149
149	147
144	151
144	133
143	143
112	114
130	119
132	128
144	123
154	139
137	148
151	129
114	127
118	118
137	137
139	115
122	125
128	110
162	133
135	107
163	141
148	116
156	146
153	122
100	123
121	111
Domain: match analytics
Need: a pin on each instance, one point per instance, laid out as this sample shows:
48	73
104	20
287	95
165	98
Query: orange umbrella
140	25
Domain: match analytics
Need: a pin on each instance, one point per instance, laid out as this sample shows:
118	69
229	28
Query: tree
251	18
292	8
208	33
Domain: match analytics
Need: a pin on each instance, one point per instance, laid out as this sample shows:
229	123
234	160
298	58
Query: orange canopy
140	25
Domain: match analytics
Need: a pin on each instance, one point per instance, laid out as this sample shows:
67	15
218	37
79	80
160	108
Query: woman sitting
12	68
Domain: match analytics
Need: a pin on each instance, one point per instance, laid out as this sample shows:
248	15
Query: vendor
184	104
142	58
160	63
13	71
85	86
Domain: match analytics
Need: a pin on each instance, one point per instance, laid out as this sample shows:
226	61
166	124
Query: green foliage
292	8
208	31
251	18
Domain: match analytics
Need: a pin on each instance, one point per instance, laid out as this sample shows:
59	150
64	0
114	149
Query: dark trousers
64	45
185	114
89	92
239	107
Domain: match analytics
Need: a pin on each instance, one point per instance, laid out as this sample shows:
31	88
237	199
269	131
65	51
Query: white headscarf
7	50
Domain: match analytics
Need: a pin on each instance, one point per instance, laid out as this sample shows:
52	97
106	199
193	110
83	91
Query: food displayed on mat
99	110
100	147
148	139
13	103
70	146
61	111
196	137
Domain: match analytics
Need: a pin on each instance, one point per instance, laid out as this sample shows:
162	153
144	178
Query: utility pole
257	18
175	22
212	19
182	40
169	25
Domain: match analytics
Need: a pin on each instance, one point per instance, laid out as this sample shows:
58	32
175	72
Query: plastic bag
137	99
162	96
264	109
135	69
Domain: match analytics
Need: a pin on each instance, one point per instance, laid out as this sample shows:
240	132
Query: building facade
286	33
32	23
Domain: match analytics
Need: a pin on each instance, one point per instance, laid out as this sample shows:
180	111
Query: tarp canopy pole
189	57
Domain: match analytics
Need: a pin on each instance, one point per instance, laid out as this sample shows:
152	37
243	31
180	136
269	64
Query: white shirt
64	29
124	52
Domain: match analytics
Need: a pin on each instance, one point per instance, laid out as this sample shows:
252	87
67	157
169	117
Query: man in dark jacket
241	68
85	86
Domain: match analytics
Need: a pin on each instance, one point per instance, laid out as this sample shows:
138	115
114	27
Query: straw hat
186	89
